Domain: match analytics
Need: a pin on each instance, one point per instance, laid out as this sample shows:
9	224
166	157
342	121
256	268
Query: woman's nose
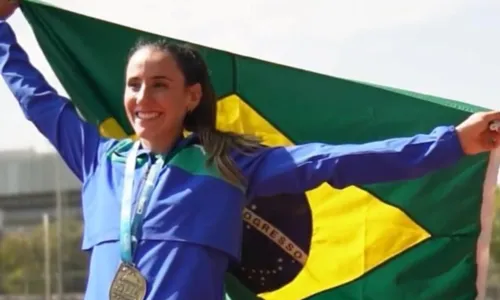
142	95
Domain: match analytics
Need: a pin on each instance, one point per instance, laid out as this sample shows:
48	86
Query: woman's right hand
7	8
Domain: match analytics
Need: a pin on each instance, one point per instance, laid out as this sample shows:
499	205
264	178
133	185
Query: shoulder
193	159
248	162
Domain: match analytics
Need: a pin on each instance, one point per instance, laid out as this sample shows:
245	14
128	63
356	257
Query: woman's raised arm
78	142
296	169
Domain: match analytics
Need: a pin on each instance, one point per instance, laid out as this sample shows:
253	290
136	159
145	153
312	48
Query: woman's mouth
147	115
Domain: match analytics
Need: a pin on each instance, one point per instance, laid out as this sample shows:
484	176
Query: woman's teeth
147	115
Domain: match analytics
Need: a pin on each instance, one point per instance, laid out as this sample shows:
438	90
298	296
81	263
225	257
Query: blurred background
40	228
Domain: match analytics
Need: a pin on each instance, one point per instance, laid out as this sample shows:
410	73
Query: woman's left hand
7	8
475	134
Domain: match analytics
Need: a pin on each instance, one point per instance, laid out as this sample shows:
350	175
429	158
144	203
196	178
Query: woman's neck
160	146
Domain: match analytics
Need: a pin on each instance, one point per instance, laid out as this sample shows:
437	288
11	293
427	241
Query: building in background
29	186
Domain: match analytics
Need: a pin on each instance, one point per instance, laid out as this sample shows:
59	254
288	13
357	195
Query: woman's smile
143	115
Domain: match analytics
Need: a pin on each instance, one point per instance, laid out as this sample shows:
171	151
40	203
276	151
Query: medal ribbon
129	226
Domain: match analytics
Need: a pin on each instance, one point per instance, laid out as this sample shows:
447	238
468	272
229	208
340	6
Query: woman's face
156	97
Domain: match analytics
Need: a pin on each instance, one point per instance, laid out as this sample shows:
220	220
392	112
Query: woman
163	215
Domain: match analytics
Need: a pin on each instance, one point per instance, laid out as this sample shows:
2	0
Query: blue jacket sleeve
76	141
300	168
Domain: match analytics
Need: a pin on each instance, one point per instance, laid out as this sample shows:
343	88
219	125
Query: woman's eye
134	86
159	85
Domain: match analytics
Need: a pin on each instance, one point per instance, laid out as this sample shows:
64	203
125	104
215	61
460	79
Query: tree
15	251
22	259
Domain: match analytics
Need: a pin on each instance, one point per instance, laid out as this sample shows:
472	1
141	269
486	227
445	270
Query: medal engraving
128	284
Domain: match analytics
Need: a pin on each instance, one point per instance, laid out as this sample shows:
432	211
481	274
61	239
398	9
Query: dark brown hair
202	120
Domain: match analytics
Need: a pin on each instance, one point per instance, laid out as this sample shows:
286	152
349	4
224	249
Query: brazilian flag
420	239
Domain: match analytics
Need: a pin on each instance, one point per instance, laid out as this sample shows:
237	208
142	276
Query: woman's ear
194	96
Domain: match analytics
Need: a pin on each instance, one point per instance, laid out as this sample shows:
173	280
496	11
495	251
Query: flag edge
456	104
486	219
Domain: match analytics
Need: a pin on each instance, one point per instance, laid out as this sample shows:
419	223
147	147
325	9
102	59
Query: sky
447	48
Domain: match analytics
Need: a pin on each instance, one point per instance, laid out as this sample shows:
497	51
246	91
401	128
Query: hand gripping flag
419	239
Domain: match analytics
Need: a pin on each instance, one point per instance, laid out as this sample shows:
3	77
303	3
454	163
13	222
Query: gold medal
128	284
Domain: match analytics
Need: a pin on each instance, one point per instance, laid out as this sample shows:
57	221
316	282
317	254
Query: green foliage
22	260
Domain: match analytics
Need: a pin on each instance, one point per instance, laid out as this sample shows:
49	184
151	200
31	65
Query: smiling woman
156	96
163	214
